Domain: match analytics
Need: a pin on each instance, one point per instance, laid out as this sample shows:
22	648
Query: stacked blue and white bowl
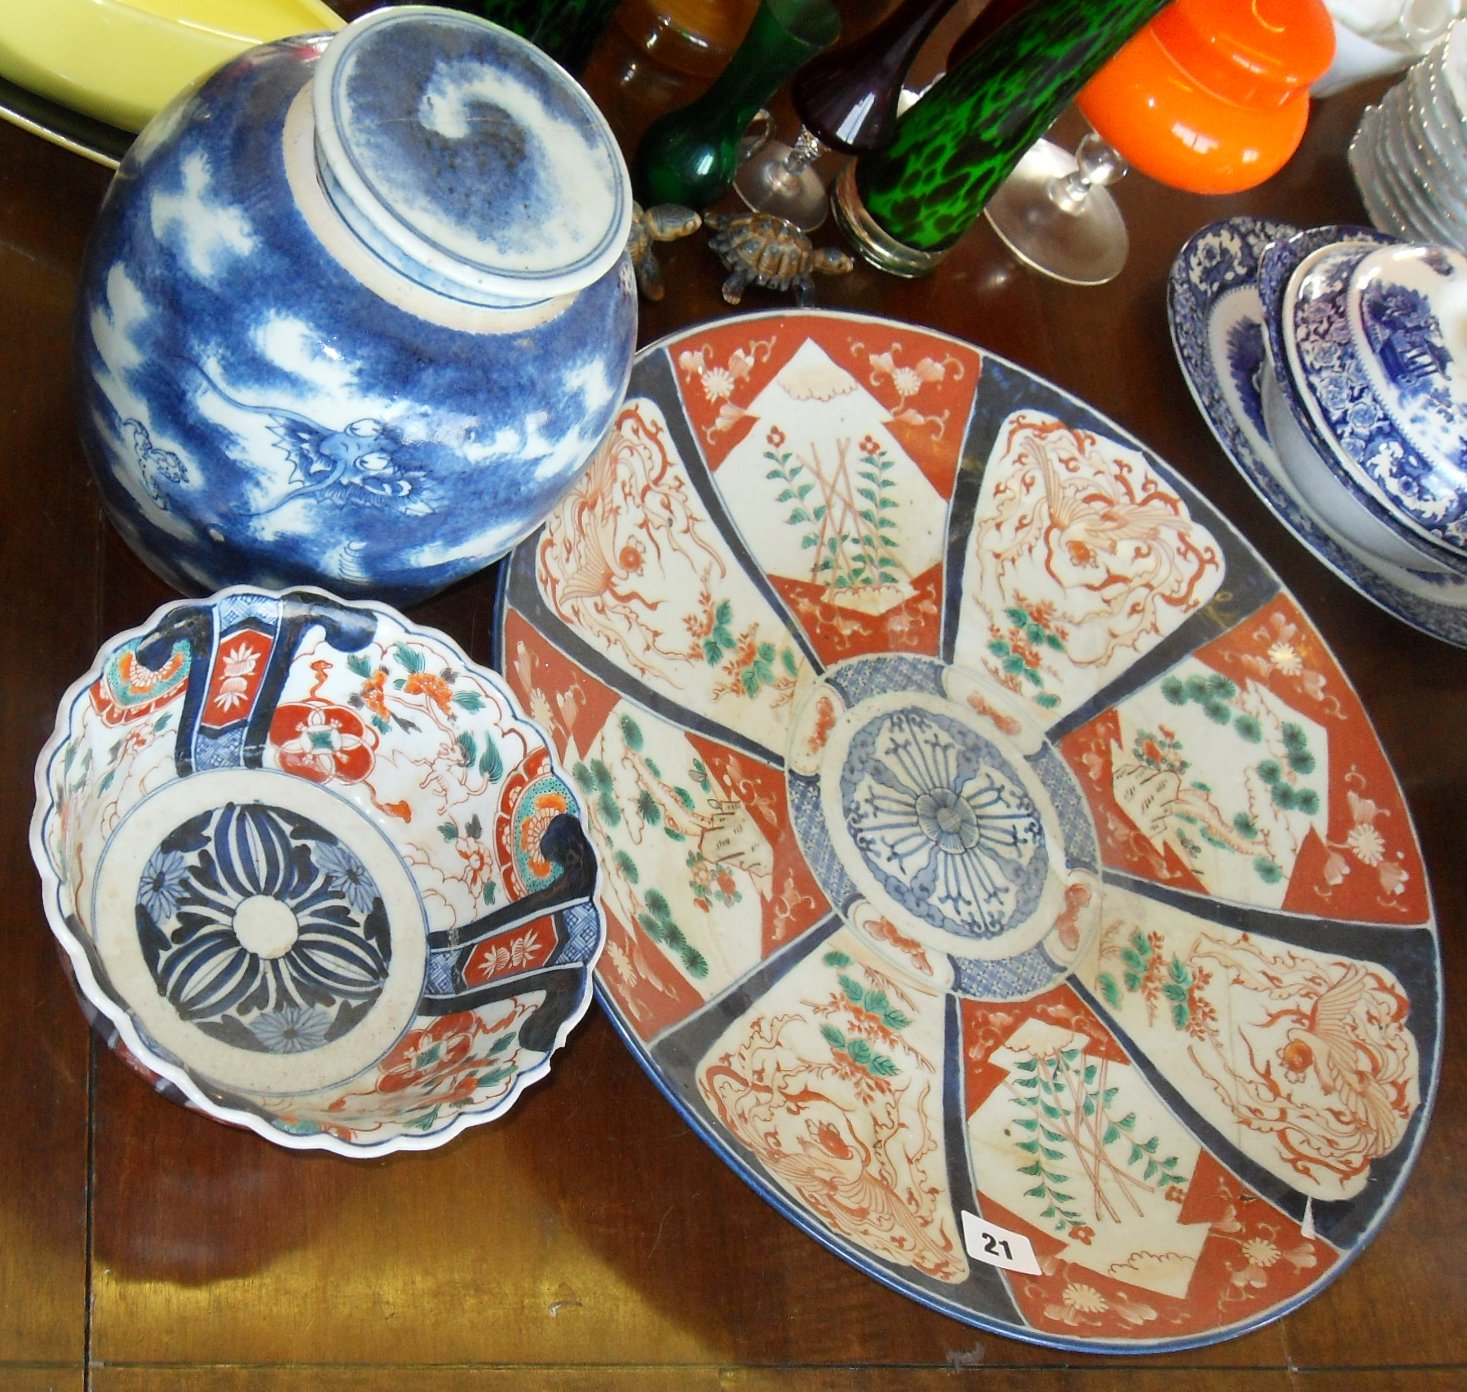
1331	364
1367	400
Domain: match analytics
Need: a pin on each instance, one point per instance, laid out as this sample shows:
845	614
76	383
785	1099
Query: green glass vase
567	30
905	206
689	156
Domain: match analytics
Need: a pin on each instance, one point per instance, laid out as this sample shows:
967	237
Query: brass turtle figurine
665	222
761	249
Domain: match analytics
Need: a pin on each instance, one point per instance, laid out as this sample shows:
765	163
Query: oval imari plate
999	871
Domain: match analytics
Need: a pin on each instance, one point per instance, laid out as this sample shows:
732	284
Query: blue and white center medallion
943	822
251	916
932	810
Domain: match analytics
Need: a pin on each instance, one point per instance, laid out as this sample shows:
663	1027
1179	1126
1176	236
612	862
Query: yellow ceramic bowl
120	60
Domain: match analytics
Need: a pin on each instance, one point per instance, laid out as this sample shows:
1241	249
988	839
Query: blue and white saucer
1217	329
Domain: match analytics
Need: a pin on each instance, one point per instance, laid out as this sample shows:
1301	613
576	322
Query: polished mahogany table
590	1239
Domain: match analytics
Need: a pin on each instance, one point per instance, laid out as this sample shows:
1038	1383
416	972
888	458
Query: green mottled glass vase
906	205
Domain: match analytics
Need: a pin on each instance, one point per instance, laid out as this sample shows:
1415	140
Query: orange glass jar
1212	96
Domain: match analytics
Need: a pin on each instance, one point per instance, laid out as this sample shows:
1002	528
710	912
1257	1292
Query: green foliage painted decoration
1078	1145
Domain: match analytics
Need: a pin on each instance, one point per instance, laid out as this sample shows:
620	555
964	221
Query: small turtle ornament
760	249
665	222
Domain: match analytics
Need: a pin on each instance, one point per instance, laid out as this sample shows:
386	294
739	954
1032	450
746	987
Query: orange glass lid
1253	52
1213	98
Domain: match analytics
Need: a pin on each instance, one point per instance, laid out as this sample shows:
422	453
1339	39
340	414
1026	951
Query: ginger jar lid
467	158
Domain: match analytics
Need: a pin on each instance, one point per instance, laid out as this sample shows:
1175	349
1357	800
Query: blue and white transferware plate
1218	333
1322	385
996	865
1405	311
1405	308
1384	407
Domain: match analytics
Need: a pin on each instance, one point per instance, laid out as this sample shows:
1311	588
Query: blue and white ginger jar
356	310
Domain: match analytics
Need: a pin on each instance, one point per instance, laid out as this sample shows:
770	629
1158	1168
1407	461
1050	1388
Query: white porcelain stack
1409	154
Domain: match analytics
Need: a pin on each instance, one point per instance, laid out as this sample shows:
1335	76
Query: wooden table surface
589	1239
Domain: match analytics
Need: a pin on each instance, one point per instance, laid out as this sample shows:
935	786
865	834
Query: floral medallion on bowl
997	866
314	871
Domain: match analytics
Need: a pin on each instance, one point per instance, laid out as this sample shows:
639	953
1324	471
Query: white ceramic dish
1361	158
1409	154
1418	196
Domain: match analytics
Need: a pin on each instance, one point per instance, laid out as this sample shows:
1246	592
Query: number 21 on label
987	1242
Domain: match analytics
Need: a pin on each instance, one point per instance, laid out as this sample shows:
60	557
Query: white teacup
1376	37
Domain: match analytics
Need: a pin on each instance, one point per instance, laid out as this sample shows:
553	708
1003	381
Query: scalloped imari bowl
313	872
999	871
